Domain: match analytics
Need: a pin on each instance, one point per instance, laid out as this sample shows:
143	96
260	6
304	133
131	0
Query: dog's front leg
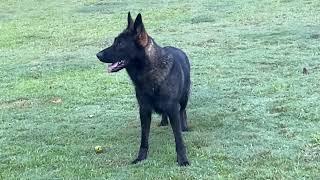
174	117
145	119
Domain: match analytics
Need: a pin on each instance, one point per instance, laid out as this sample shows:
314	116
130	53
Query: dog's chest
156	100
149	83
150	89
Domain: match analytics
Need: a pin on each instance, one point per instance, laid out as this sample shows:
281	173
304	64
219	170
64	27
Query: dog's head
127	47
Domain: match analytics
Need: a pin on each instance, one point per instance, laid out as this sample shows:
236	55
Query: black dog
161	77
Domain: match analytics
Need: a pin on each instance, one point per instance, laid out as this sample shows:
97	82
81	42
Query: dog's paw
142	155
183	161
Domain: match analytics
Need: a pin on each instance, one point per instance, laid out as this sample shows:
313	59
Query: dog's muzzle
100	56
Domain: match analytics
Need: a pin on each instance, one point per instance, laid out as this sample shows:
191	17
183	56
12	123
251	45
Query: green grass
253	113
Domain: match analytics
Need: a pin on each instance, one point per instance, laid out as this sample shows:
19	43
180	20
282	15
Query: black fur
161	77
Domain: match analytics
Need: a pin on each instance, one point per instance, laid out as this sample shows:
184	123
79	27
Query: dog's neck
153	67
151	48
153	52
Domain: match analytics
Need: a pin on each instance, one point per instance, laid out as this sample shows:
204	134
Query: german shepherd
161	77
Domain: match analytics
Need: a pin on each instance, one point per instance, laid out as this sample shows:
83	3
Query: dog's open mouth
117	66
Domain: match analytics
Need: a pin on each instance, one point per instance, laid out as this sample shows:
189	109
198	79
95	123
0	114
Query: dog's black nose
99	55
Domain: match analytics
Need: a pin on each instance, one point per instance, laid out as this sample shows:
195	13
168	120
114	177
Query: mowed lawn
253	113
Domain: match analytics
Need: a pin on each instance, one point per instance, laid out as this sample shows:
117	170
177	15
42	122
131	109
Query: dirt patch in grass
56	100
19	103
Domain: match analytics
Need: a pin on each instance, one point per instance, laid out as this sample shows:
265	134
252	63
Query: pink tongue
112	66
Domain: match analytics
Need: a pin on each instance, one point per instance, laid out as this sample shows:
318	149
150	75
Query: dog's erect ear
138	24
141	34
130	22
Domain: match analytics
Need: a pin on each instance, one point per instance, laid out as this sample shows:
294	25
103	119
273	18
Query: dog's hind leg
164	120
183	113
183	120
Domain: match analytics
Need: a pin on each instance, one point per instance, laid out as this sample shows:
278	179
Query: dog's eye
120	44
